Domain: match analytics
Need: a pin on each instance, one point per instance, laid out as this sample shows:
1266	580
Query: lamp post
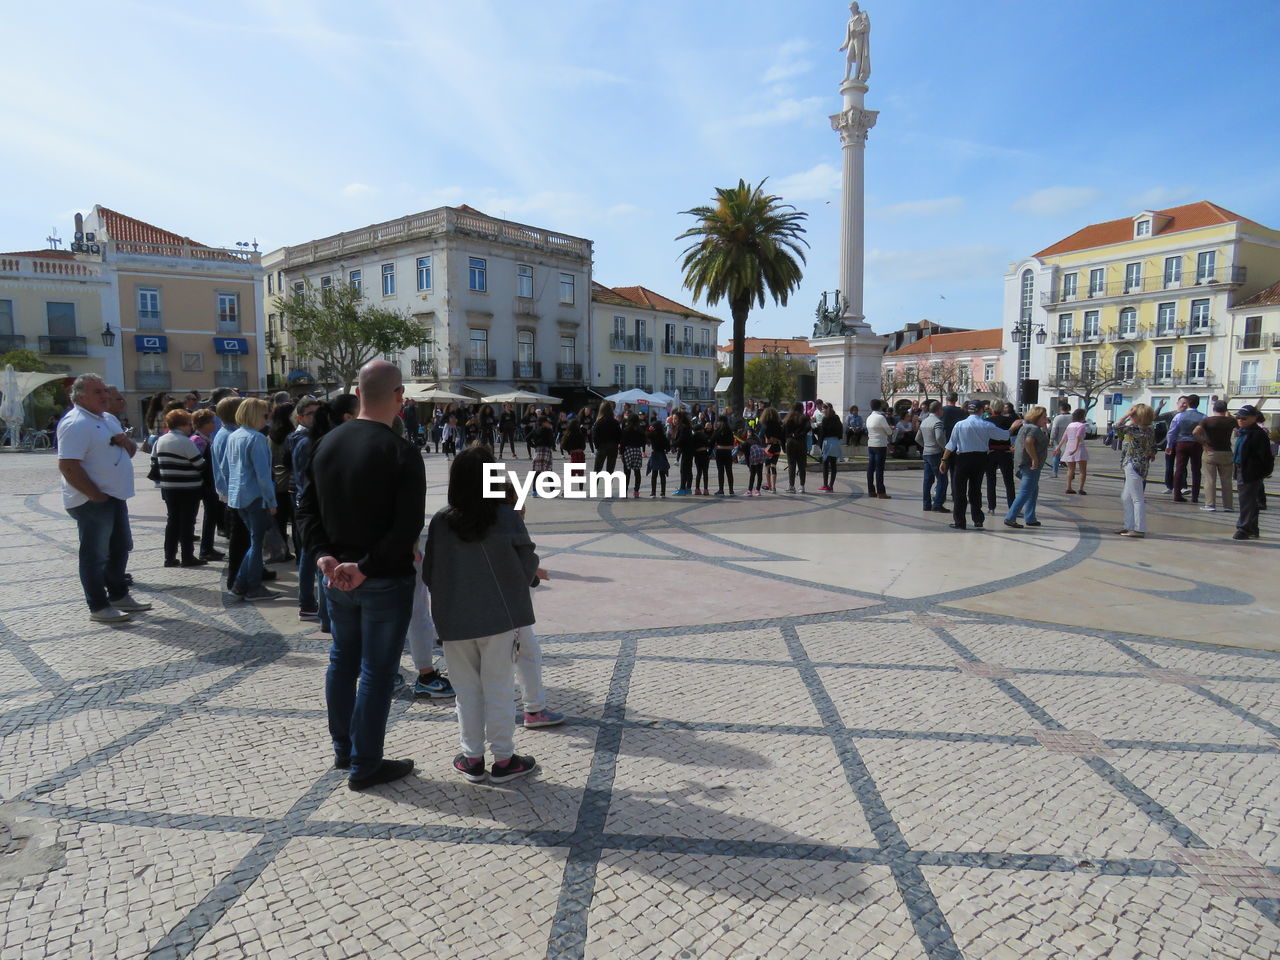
1023	330
108	336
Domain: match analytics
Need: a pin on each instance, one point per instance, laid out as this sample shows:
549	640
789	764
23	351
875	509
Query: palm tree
748	244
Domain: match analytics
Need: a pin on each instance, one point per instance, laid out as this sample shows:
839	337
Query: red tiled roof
120	226
1189	216
758	344
1269	297
44	254
970	340
643	297
602	294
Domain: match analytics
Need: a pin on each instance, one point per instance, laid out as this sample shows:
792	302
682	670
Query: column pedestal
849	369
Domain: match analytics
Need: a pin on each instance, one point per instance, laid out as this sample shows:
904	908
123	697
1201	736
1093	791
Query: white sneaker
1209	508
130	605
108	615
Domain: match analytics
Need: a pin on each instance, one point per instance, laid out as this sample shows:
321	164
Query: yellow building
1140	305
1255	352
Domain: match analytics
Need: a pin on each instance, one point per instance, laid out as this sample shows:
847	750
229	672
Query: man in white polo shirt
95	459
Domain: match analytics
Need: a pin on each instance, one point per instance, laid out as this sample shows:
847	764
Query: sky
1003	126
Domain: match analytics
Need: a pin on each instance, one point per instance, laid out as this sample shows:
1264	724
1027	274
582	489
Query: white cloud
939	206
784	111
1158	197
358	191
901	267
816	183
1056	201
790	61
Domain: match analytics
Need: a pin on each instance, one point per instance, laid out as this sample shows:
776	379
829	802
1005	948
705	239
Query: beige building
1255	352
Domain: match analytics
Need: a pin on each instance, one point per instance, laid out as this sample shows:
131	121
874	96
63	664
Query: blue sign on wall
1117	399
230	345
150	343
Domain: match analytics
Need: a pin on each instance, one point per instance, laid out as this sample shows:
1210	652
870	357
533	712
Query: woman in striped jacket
180	465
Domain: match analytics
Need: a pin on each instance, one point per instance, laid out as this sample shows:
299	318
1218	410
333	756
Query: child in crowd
725	443
631	444
701	457
659	466
451	436
753	451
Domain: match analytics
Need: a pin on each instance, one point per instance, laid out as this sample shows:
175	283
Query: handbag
154	473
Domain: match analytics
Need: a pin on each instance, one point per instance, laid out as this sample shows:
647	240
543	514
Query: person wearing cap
1253	464
967	447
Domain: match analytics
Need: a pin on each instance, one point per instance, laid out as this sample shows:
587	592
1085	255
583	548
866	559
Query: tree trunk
739	310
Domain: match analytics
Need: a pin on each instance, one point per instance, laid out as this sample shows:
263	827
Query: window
280	280
1096	283
524	346
62	319
988	371
228	311
1172	271
704	379
619	374
1248	374
1205	263
640	331
619	327
669	337
151	362
566	288
271	283
6	318
642	375
1063	365
1199	316
1089	364
568	350
1070	286
668	379
1143	229
1132	277
1164	363
687	374
230	362
299	288
149	308
524	281
479	344
388	279
1064	326
1092	325
1166	318
357	282
1196	361
1124	364
706	342
688	336
1252	339
326	283
1128	322
424	273
477	274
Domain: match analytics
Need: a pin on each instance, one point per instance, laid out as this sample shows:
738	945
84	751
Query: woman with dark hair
829	432
153	419
279	426
770	432
478	564
795	433
682	440
606	434
574	443
631	440
587	417
1000	458
486	426
725	442
507	430
659	466
702	457
327	416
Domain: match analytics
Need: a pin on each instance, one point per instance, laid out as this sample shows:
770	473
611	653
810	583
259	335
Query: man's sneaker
109	615
1209	508
313	615
130	605
212	555
543	718
1238	535
437	686
791	489
473	770
516	766
258	593
389	770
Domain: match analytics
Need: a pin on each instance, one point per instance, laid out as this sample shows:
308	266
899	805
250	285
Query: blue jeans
306	579
105	542
933	475
369	626
256	520
875	469
1028	493
1057	462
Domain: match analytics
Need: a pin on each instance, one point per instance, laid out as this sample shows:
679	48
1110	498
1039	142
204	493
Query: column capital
852	124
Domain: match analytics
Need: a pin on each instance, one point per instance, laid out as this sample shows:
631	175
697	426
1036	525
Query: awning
150	343
488	387
237	345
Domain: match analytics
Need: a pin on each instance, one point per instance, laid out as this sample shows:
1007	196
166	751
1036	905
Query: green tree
745	246
773	378
342	332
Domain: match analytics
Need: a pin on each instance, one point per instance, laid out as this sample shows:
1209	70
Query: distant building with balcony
643	339
1254	366
57	305
501	304
1145	300
968	363
752	347
913	332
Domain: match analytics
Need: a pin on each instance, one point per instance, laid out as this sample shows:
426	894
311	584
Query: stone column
852	123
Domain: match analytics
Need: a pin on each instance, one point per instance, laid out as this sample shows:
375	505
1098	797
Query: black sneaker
389	770
517	766
1013	523
472	771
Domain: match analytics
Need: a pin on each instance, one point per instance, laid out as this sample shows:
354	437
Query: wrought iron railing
153	380
65	346
568	371
481	368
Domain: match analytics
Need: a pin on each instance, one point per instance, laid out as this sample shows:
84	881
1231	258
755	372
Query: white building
501	304
643	339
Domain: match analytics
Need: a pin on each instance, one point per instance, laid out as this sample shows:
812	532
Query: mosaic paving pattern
875	774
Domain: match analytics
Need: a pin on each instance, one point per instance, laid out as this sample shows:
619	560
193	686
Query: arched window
1128	322
1124	365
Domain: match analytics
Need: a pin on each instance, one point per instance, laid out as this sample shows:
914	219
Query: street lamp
1021	333
108	336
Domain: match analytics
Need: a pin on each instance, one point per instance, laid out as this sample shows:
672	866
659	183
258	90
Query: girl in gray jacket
478	564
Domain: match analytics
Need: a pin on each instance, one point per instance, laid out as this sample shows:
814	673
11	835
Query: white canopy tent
521	396
15	388
430	393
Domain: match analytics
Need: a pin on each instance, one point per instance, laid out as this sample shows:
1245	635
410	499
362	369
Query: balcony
1196	378
1253	388
228	323
65	346
568	371
150	320
1256	341
239	379
422	368
686	348
12	341
526	370
481	368
152	380
633	344
1224	276
1061	339
1123	334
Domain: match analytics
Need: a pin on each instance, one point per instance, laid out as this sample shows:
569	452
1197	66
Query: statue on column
857	41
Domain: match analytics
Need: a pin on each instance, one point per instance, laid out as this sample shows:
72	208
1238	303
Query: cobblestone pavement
811	727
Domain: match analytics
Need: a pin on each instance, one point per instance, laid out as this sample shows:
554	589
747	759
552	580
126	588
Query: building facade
643	339
970	364
1140	306
1254	366
501	304
752	347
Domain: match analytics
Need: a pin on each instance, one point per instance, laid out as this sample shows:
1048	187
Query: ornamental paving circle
819	726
